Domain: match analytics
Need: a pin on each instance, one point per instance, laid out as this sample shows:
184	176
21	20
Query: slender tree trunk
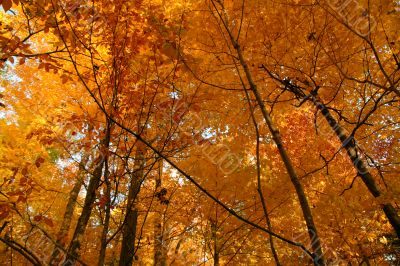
307	214
264	205
73	196
86	212
159	244
349	144
214	238
259	186
103	247
94	182
159	254
69	211
130	223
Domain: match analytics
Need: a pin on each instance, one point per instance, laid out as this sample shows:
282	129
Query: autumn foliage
215	132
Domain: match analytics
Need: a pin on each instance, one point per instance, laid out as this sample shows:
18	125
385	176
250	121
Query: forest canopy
212	132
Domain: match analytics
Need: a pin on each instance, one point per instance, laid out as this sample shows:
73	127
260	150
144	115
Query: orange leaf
64	78
38	218
21	199
24	171
48	221
39	161
4	211
6	5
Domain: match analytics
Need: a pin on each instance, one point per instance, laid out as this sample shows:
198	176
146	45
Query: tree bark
159	244
130	222
318	257
69	211
214	229
259	186
349	144
94	182
103	247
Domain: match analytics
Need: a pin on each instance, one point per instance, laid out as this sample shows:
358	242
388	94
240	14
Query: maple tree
210	132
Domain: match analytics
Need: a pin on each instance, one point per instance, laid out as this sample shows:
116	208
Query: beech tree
216	132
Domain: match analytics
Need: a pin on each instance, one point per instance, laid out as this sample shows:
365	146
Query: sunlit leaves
165	70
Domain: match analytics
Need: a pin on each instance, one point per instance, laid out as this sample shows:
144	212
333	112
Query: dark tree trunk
349	144
307	214
69	211
130	222
159	244
103	247
214	229
90	198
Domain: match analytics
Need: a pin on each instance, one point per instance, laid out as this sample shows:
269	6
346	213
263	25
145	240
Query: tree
212	132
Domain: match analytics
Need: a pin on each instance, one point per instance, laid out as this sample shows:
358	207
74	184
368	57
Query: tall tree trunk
73	196
130	222
318	258
348	142
214	229
259	186
307	214
94	182
264	205
69	211
159	253
159	244
106	223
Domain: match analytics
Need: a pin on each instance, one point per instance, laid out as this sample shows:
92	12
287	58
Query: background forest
211	132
